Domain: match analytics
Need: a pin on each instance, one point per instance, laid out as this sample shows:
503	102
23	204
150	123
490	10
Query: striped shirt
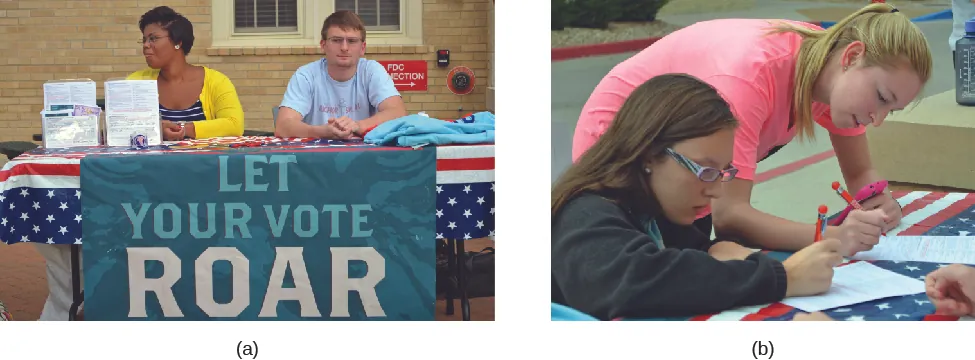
193	113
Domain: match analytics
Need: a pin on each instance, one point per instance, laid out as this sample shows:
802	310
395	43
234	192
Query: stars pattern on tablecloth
958	225
465	211
40	215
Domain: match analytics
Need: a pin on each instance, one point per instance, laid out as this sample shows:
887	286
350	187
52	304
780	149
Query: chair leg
76	290
465	305
451	269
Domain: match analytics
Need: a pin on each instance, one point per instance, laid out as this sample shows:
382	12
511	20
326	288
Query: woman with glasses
623	243
787	79
195	102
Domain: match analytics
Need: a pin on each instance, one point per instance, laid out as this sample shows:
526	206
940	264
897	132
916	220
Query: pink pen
865	193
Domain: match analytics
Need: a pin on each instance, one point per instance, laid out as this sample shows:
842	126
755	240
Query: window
378	15
265	16
280	23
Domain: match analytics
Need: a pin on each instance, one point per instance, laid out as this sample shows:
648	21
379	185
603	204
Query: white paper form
131	96
69	93
934	249
856	283
132	107
121	126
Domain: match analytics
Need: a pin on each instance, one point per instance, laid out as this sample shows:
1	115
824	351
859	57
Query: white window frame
377	16
258	30
311	16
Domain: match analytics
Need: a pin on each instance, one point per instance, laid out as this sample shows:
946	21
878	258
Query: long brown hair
663	111
889	38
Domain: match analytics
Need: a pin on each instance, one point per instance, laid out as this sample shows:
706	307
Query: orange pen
820	224
846	196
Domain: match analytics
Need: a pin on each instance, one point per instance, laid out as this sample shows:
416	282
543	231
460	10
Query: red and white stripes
458	164
464	164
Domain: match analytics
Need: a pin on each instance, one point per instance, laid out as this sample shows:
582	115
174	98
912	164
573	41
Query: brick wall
59	39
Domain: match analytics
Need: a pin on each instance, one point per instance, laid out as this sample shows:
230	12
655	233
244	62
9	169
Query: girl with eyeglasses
623	243
784	79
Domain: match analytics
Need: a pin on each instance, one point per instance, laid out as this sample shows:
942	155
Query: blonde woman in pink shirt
782	79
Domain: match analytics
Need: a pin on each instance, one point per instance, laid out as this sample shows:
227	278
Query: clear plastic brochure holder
132	116
71	117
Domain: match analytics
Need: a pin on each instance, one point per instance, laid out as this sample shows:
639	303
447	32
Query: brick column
490	90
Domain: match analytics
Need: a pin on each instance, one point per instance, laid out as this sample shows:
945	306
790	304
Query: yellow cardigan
224	114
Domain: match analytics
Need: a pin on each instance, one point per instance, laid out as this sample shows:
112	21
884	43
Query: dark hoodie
605	264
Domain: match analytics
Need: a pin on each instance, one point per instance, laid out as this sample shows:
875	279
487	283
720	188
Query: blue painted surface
940	15
565	313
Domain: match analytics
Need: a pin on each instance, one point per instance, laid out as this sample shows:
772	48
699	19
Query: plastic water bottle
965	66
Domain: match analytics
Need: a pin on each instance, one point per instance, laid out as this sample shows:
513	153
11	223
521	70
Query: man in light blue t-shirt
342	95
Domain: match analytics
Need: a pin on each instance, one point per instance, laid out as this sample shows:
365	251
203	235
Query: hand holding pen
849	199
861	230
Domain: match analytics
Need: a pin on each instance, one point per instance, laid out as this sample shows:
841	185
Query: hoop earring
177	47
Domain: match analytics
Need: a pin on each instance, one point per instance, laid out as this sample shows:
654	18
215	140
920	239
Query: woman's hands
889	206
171	131
860	231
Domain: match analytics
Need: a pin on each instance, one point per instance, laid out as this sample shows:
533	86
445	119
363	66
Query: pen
848	198
820	224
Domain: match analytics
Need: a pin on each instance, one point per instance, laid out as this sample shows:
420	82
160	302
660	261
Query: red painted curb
572	52
793	166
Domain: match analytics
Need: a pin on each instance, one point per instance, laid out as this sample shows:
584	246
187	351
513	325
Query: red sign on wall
407	75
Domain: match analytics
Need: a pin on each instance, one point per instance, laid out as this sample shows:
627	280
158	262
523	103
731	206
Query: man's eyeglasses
151	39
336	40
706	174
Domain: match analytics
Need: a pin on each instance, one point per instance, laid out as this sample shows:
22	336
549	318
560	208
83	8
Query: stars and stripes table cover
40	197
925	213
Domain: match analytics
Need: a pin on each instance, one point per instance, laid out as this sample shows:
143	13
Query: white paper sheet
120	126
856	283
936	249
131	96
131	107
69	93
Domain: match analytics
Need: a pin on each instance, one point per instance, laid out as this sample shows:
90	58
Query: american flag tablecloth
925	213
40	196
465	192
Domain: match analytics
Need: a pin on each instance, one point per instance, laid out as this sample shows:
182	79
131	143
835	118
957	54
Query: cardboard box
932	143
